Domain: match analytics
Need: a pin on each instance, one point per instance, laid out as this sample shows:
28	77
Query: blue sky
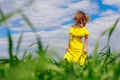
53	19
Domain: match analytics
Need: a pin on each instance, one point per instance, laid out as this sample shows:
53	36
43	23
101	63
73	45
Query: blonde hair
81	18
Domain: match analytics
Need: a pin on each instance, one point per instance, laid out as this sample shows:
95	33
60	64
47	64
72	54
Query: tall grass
103	65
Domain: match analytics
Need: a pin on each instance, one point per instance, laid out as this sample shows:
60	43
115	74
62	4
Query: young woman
77	50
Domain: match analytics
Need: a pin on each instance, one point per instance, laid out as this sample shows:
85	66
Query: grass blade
39	43
1	14
10	46
103	49
112	29
96	47
25	51
4	18
28	22
32	44
3	61
24	54
108	30
18	44
110	33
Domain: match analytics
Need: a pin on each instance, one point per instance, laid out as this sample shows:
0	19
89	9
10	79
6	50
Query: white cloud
85	5
112	2
10	5
49	13
108	12
45	14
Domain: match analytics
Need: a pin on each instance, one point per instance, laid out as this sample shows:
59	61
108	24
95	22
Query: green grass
102	65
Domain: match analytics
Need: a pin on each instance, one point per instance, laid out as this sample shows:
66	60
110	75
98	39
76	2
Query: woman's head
81	18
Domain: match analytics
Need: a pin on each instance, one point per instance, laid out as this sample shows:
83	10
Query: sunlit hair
81	18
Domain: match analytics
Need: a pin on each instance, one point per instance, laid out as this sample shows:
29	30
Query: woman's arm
86	44
68	46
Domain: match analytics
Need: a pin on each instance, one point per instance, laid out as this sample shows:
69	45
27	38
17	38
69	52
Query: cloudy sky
52	19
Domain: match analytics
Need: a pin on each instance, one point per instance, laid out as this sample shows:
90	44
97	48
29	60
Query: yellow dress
75	51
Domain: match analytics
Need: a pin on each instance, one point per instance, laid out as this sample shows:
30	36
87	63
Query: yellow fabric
75	51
